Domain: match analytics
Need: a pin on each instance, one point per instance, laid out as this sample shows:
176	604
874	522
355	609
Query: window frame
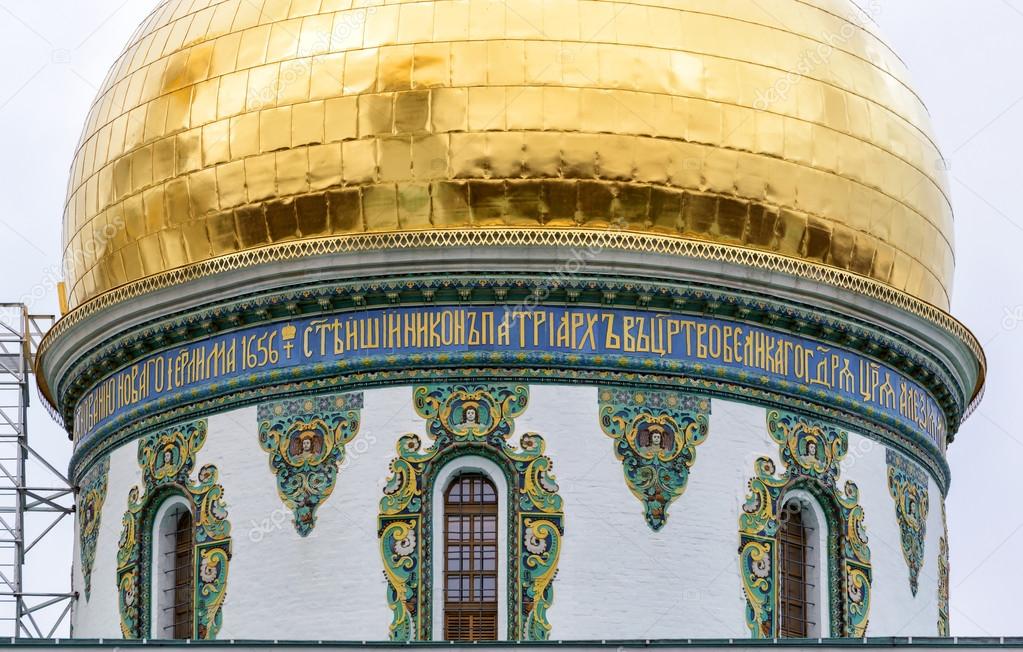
453	468
823	575
472	539
156	605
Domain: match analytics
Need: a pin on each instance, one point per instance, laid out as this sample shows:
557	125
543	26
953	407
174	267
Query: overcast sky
964	57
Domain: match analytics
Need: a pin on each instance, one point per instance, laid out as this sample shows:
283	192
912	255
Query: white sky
964	57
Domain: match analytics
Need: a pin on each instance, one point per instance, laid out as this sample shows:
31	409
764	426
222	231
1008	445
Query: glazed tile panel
476	419
305	439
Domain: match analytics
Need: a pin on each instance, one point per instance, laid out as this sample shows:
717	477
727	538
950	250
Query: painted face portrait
305	444
653	439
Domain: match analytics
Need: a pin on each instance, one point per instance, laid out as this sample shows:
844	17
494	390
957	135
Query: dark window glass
470	555
795	571
178	567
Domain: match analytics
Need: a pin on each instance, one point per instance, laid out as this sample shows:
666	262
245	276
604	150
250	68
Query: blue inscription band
604	337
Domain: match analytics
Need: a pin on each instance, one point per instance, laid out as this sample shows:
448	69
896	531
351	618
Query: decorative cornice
527	237
162	333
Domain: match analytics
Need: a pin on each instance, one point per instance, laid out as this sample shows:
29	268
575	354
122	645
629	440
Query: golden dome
229	126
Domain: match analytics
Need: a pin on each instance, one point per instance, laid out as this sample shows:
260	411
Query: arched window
470	559
800	544
174	548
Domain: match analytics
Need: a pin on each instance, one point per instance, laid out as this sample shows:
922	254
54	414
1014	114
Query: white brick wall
616	579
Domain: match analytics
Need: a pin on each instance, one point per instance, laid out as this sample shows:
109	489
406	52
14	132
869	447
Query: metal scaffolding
28	512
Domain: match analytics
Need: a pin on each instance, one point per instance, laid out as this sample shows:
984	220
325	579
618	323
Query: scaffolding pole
42	506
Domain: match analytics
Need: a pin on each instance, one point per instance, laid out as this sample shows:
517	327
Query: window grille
470	560
176	569
797	571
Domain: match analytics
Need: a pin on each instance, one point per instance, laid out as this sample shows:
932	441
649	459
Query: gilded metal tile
229	124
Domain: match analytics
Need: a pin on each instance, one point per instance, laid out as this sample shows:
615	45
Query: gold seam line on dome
478	210
869	126
865	60
230	215
893	154
581	43
753	200
586	43
843	20
933	179
925	176
813	39
866	20
691	140
94	129
310	197
857	25
524	237
866	24
822	169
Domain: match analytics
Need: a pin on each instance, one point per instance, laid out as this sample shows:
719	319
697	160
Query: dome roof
234	127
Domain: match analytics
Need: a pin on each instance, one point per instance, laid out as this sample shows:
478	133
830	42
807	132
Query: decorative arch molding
908	487
478	420
656	435
89	507
305	438
167	459
811	453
